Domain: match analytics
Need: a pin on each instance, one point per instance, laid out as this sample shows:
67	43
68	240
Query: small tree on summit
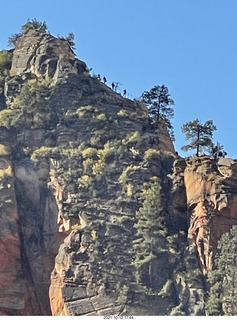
30	24
35	25
199	134
158	102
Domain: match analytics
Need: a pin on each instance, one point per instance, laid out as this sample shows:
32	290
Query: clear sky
188	45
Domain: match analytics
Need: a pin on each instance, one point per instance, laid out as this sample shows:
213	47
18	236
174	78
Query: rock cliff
76	161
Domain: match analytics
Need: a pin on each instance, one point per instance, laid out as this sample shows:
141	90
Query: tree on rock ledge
199	134
158	102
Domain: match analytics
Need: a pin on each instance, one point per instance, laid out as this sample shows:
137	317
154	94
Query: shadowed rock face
28	240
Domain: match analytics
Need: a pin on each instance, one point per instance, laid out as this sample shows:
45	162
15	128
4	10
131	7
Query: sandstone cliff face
44	55
71	186
29	240
89	114
211	197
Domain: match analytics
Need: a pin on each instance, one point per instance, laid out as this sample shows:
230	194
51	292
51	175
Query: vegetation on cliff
223	277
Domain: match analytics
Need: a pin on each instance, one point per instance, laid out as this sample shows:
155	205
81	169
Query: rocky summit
99	215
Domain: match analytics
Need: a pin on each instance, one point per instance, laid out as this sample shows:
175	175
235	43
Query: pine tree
199	134
151	234
223	279
158	102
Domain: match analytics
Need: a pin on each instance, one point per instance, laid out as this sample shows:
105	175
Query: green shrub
166	290
89	153
133	137
151	154
107	154
87	165
84	181
98	167
7	117
5	59
44	152
178	311
76	226
31	107
122	113
4	150
129	190
6	172
83	110
101	117
123	294
123	177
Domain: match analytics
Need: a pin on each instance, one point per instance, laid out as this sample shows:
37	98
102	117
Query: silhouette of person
124	92
99	78
113	85
105	80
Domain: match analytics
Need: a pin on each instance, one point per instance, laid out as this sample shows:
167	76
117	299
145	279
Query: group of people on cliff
114	85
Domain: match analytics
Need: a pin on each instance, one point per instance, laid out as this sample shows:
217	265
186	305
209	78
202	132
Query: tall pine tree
151	235
158	102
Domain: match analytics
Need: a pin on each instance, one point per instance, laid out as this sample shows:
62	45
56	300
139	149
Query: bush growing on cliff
152	154
5	59
70	40
4	150
5	66
89	153
32	107
7	117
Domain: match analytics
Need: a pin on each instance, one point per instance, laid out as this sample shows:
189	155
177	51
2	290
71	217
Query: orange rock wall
212	207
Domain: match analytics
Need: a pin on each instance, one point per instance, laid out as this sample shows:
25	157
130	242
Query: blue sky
188	45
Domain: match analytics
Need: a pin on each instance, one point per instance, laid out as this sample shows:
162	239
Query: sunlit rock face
212	199
44	55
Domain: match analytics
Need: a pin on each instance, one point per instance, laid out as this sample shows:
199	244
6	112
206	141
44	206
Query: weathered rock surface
28	240
44	55
211	196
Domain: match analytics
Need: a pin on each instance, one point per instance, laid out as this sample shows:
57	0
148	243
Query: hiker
124	92
99	78
105	80
113	85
